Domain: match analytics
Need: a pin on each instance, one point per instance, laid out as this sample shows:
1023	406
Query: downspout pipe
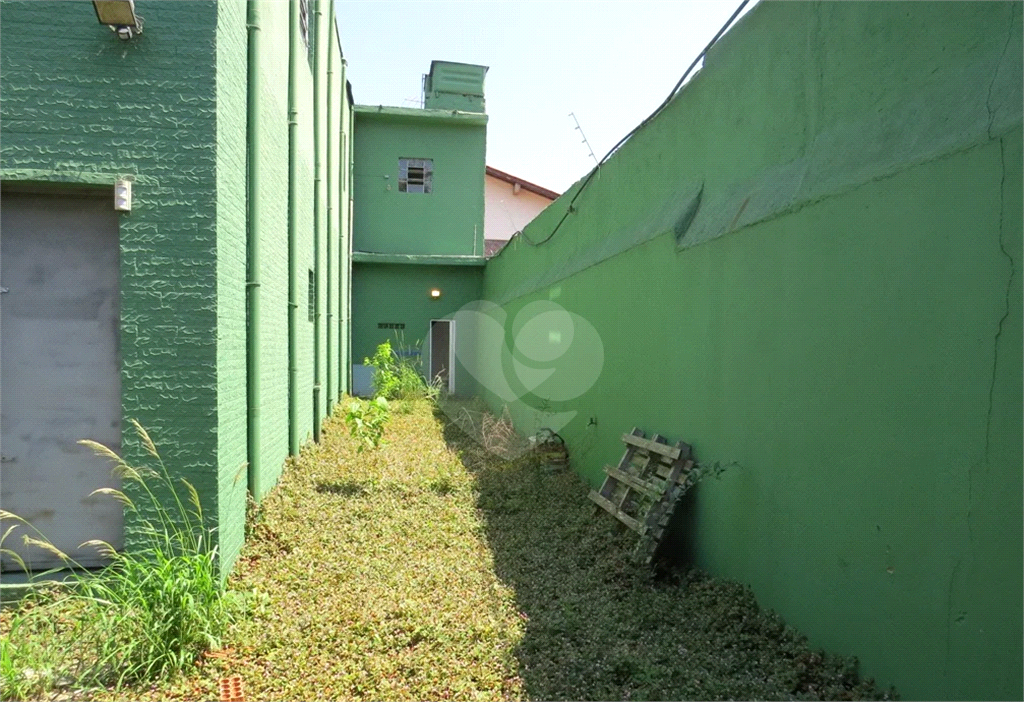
318	217
252	247
331	196
350	166
294	41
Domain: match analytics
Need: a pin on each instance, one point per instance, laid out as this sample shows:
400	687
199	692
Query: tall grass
147	616
397	376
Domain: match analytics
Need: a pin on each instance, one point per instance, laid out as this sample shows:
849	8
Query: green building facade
207	113
810	263
418	251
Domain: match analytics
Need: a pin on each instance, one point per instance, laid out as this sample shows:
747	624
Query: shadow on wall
598	626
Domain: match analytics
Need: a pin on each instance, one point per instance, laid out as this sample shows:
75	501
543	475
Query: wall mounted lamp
120	16
435	294
123	195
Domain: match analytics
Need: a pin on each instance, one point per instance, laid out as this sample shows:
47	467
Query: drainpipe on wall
293	254
349	165
252	247
344	237
330	203
318	88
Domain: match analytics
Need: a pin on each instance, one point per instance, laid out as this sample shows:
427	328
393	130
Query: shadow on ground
599	626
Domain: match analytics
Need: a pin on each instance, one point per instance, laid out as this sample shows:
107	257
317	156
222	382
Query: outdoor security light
123	196
435	294
120	16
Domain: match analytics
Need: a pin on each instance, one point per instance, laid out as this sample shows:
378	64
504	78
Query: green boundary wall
810	264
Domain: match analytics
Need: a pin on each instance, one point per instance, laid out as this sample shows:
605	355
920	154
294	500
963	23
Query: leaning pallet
643	489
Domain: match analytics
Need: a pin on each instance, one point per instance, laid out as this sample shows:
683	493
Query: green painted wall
306	244
231	276
311	232
87	108
168	109
842	316
340	192
396	293
334	85
448	220
272	65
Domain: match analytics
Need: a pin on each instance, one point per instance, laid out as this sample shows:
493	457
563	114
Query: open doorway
442	352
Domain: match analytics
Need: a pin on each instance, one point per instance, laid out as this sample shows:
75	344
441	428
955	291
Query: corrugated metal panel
458	78
455	86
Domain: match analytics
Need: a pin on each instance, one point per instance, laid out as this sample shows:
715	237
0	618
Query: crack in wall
1006	308
995	74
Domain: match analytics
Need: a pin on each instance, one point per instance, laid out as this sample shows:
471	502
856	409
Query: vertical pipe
331	197
348	215
252	287
318	217
294	40
344	233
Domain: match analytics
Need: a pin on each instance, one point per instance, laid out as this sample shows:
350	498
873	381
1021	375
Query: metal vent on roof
454	86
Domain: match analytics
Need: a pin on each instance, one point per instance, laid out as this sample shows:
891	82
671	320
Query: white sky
611	63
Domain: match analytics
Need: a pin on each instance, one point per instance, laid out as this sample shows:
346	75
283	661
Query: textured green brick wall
333	85
345	248
231	274
842	316
272	65
305	236
320	193
78	105
169	109
336	182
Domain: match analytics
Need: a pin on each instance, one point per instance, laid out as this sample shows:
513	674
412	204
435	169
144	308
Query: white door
59	370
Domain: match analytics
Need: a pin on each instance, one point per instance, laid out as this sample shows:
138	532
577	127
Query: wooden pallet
642	490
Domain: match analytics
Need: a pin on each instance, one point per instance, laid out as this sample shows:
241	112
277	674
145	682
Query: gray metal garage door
59	369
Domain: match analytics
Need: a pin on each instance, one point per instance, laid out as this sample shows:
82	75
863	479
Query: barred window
415	175
304	29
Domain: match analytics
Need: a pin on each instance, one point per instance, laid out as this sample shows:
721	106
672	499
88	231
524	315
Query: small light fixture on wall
120	16
435	294
123	195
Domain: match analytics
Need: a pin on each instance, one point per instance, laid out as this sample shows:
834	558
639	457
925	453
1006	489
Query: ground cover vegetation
146	617
433	567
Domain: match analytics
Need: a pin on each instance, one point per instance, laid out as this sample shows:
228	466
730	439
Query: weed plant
398	377
366	420
147	616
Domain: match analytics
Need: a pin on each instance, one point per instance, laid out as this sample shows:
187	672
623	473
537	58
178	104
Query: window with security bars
304	29
415	175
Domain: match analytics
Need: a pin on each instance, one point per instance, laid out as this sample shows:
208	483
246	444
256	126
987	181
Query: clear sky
610	63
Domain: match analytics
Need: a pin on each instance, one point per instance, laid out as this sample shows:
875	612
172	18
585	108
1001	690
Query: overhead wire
572	203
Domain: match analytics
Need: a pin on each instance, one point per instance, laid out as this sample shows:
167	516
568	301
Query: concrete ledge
418	259
419	114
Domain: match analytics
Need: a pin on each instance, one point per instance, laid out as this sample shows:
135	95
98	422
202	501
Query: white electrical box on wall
123	196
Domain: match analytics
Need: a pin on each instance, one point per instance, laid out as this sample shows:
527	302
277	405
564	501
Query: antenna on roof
589	148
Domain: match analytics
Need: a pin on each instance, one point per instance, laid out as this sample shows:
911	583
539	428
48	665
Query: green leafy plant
148	615
398	376
385	375
366	421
